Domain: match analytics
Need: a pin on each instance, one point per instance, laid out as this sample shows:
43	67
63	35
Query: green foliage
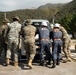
63	13
67	16
30	13
69	22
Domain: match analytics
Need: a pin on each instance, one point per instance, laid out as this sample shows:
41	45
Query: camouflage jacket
28	33
13	30
2	30
64	32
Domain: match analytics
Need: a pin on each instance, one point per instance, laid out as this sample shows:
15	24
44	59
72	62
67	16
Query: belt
44	39
57	38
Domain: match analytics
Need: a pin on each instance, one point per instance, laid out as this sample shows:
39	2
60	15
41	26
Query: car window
36	24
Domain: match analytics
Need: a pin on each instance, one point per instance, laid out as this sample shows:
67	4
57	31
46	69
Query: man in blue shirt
57	43
44	38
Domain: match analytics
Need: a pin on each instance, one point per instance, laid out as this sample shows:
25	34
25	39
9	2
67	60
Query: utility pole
53	21
5	15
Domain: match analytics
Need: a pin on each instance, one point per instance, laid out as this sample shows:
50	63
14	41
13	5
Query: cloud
8	5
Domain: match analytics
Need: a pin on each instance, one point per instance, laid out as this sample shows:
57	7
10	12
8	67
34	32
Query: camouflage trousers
12	50
30	50
66	47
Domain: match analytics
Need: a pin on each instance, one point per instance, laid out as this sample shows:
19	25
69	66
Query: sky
10	5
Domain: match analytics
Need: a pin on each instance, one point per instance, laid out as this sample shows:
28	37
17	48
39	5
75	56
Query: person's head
44	24
57	25
16	19
6	21
28	22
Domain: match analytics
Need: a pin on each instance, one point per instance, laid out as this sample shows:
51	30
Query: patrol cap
6	20
16	18
28	21
57	25
44	24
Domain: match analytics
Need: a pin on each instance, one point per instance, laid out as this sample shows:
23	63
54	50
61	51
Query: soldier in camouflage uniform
28	33
66	44
13	40
3	43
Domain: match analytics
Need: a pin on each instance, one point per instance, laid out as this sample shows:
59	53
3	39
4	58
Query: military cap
28	21
16	18
6	20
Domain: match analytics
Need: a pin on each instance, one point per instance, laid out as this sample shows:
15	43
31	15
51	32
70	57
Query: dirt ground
68	68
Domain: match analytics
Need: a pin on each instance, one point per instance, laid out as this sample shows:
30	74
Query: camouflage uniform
66	43
3	44
13	40
29	41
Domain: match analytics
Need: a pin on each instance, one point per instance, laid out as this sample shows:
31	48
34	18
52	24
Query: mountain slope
69	8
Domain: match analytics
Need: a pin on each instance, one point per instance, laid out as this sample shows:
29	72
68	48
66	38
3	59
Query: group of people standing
10	37
60	39
11	33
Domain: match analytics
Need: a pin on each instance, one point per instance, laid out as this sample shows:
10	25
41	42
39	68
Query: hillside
67	16
63	13
50	6
69	8
43	12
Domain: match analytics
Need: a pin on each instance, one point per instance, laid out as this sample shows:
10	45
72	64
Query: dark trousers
3	46
45	46
56	50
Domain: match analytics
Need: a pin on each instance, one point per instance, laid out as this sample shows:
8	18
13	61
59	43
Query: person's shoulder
11	23
19	25
61	27
33	26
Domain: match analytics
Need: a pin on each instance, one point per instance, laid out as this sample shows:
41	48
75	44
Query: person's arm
6	31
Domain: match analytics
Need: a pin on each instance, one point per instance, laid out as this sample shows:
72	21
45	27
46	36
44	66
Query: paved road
64	68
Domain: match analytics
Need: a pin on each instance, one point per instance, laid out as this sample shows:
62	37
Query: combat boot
58	62
42	62
49	62
16	64
7	61
30	63
54	64
69	59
